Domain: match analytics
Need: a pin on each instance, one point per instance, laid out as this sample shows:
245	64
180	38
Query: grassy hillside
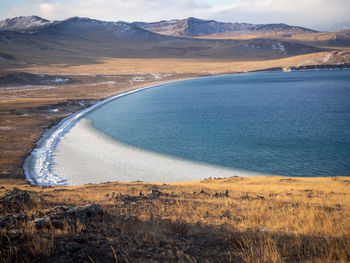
252	219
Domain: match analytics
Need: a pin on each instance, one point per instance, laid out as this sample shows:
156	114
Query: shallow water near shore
291	124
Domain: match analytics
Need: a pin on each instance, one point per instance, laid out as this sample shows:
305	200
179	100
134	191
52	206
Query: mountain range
189	27
192	27
34	40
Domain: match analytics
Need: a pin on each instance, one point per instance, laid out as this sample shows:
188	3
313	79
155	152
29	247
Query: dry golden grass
261	219
178	65
303	37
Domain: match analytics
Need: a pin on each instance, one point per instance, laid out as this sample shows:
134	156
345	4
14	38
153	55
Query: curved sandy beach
38	166
86	155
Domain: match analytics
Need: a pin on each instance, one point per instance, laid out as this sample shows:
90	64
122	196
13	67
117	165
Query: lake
285	123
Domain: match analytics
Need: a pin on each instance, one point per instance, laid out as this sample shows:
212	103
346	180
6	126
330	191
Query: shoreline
37	163
38	167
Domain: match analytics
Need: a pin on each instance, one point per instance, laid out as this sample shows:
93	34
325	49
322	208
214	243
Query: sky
323	15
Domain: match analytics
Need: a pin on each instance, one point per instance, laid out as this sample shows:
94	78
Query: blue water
292	124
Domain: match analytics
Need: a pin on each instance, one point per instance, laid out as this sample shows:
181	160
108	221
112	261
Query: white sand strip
86	155
38	165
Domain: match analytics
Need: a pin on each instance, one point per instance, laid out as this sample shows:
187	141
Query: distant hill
22	23
341	38
77	27
91	28
83	40
192	27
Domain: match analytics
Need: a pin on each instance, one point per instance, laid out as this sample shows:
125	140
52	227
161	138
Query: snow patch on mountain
22	23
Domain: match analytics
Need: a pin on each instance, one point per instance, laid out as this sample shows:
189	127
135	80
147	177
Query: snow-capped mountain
22	23
90	28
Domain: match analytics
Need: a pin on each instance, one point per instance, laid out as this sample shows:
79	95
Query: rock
129	218
72	246
40	223
21	217
79	239
202	240
128	199
193	251
59	214
245	197
156	192
7	221
263	228
16	200
39	213
61	209
83	212
226	214
15	233
162	243
58	223
260	197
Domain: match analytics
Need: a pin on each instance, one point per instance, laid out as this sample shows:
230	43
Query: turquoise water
291	124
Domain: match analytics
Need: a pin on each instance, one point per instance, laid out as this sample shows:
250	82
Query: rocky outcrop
16	203
60	215
16	200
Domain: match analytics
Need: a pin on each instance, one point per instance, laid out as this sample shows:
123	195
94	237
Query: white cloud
318	14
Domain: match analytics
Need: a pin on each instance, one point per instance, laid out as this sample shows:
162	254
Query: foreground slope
252	219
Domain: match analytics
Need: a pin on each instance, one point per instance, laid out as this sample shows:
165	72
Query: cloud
318	14
128	10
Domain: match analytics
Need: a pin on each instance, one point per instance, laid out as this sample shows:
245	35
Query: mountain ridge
189	27
22	23
85	27
79	40
193	27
